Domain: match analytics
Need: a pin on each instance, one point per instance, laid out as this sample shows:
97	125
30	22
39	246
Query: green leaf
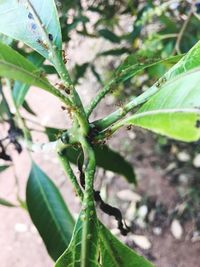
190	61
28	108
111	251
108	35
6	203
116	254
15	66
96	74
79	71
112	161
72	256
114	52
49	212
175	110
4	167
134	64
20	90
53	133
33	22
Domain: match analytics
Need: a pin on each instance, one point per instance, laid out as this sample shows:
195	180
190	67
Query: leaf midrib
164	111
105	243
27	72
49	208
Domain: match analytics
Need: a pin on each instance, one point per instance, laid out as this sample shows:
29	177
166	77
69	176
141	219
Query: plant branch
106	89
88	200
69	172
104	123
182	31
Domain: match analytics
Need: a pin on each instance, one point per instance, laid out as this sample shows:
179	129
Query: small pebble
142	211
128	195
196	161
176	229
141	241
183	156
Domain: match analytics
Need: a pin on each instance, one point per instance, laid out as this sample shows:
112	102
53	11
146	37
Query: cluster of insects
34	30
43	43
161	81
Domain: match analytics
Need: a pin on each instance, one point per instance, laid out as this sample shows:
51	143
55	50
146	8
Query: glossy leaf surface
49	212
19	89
116	254
175	110
33	22
15	66
72	256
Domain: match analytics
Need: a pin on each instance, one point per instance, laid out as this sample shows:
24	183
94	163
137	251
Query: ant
43	44
161	81
63	87
64	56
69	110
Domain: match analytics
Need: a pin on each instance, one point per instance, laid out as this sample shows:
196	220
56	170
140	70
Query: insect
64	56
63	87
161	81
63	108
129	127
42	43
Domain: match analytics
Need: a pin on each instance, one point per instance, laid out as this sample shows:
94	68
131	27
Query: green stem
106	89
89	208
121	112
5	102
182	31
78	110
69	172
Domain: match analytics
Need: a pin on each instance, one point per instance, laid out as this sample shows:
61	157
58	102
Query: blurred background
163	210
